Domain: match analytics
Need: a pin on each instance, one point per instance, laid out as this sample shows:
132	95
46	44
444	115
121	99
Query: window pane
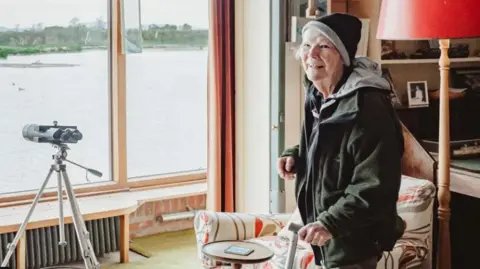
167	90
54	65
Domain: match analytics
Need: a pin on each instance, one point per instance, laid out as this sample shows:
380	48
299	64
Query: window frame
118	133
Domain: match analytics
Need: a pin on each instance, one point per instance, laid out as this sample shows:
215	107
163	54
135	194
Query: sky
26	13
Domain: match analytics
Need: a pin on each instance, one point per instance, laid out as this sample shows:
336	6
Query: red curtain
221	107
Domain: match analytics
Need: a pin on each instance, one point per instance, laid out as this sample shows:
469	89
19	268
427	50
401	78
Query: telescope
58	136
53	134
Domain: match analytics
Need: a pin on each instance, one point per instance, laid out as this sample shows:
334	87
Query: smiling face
320	59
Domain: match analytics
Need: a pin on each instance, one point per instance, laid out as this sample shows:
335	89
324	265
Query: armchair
415	206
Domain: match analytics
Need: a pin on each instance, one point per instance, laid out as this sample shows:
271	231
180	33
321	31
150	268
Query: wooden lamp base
444	250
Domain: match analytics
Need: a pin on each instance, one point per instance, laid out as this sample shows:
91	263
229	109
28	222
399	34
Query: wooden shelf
428	61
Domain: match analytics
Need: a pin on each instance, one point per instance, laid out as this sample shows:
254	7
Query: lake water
166	114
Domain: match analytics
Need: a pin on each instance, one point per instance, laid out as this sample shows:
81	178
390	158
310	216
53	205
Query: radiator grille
43	249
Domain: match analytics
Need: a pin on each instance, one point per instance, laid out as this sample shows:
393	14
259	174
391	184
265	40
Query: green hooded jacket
348	166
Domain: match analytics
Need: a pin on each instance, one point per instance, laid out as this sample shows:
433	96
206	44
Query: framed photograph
417	93
388	48
296	28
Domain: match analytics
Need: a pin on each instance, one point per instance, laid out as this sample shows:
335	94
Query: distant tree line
77	36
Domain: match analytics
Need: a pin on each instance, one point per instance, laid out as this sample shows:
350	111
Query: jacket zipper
310	169
314	194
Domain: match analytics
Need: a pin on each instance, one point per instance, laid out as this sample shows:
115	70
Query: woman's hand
314	233
285	167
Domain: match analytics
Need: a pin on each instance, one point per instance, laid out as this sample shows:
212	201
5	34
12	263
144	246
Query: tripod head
58	136
61	150
62	154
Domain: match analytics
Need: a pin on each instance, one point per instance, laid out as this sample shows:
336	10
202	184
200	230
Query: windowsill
54	189
93	207
107	187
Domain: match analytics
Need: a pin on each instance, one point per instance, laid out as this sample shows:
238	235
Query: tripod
82	234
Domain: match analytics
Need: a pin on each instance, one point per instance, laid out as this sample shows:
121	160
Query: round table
216	251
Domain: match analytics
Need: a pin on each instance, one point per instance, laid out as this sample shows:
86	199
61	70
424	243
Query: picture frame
417	92
388	48
296	28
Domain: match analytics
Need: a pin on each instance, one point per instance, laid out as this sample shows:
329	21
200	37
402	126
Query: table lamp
443	20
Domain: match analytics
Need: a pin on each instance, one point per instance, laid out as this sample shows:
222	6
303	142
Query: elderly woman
348	162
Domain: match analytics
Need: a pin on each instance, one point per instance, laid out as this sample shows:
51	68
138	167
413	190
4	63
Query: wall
252	75
294	96
143	222
252	48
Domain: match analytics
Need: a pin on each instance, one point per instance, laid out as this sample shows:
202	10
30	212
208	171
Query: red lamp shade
428	19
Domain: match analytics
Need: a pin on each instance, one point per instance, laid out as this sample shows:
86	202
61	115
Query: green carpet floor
175	250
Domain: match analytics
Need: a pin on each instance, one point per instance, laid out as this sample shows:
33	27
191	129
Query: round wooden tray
216	251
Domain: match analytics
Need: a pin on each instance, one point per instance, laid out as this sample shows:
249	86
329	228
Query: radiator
42	244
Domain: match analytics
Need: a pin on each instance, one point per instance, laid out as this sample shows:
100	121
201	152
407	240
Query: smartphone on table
238	250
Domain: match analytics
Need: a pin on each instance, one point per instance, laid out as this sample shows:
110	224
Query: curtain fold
221	107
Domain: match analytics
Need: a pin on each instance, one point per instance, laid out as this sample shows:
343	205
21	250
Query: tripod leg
11	247
61	224
82	233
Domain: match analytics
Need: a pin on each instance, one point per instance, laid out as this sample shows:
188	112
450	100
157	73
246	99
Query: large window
130	74
166	89
54	66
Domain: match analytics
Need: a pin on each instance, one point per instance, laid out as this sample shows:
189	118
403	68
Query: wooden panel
124	238
119	99
22	252
339	6
416	161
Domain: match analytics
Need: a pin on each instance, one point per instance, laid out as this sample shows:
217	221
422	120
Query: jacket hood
365	74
